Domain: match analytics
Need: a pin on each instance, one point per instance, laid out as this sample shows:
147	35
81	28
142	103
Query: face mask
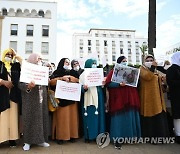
8	59
166	67
94	66
66	67
76	68
148	64
124	63
50	71
40	63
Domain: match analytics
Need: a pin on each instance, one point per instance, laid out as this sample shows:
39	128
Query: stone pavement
79	147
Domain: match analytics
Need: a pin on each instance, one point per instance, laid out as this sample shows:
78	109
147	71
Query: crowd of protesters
117	108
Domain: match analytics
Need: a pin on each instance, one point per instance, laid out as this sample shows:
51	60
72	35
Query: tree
152	26
143	49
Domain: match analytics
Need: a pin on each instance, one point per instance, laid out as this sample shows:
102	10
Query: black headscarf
60	71
119	60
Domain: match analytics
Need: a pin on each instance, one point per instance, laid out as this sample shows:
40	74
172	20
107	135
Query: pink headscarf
33	58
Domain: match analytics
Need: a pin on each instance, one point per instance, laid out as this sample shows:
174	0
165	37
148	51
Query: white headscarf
175	59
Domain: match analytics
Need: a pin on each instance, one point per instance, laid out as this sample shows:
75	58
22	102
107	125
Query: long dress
9	111
93	123
65	119
124	106
173	80
35	114
153	109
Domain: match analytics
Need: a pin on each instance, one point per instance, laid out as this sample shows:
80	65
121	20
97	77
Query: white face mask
76	68
94	66
40	63
66	67
8	59
148	64
166	67
124	63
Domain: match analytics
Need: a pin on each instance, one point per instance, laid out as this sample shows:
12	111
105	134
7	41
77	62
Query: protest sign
93	76
68	90
126	74
32	72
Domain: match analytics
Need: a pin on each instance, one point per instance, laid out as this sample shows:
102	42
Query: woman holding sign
34	110
124	106
65	118
93	107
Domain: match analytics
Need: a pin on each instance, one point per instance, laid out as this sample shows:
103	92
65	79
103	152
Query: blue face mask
94	66
124	63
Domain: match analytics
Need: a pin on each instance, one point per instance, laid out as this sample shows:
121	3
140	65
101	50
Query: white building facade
29	27
110	43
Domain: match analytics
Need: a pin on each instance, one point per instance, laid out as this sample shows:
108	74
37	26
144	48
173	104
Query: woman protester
93	107
173	80
152	109
34	110
9	96
77	71
124	107
65	118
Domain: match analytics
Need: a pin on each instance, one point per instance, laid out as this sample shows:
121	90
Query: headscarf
89	63
175	59
73	61
7	64
119	60
91	95
60	71
76	73
149	56
33	58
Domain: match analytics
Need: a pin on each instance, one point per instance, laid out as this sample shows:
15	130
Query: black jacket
173	81
4	92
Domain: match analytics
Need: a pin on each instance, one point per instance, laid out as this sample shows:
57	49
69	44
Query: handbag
52	101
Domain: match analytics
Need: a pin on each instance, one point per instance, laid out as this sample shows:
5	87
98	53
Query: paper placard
126	74
32	72
93	76
68	90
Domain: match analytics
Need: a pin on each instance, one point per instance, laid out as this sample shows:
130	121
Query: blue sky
81	15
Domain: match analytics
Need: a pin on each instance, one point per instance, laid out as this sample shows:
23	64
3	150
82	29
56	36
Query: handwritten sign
31	72
67	90
93	76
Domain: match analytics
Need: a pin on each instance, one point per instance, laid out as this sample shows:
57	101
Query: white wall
91	36
22	22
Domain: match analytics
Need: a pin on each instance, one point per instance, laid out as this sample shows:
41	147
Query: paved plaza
79	147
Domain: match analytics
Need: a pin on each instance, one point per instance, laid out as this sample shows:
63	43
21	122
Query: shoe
177	139
72	140
26	147
60	142
118	146
44	144
12	143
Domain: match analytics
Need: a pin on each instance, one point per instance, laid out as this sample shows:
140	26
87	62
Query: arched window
4	12
11	12
19	13
33	13
26	12
48	14
41	13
